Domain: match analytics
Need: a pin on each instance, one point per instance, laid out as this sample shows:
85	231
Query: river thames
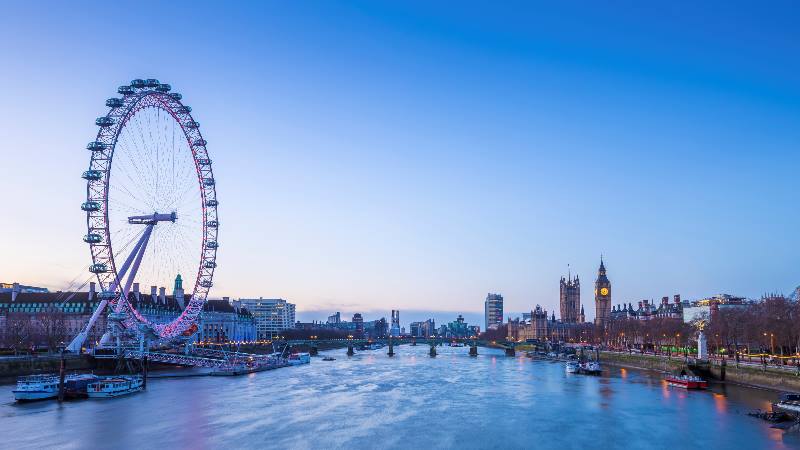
409	401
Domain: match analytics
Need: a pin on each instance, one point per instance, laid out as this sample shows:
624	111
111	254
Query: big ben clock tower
602	298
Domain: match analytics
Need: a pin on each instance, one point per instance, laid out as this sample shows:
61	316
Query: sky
419	155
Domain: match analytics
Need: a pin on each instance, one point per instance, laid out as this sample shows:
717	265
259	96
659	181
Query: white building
222	322
493	310
272	315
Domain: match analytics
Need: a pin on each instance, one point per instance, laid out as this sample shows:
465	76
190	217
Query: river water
410	401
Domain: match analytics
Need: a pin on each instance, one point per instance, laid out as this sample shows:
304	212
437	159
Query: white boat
115	386
36	387
573	367
295	359
591	368
788	403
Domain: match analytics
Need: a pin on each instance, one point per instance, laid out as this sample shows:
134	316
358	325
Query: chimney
162	296
153	294
92	287
15	291
136	292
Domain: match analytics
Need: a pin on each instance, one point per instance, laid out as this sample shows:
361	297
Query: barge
686	381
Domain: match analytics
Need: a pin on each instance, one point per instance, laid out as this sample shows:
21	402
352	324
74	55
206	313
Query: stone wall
778	380
642	361
10	367
770	378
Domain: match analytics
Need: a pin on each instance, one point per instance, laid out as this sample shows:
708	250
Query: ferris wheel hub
152	219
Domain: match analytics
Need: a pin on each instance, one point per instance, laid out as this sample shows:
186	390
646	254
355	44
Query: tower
602	297
570	300
493	311
177	291
394	329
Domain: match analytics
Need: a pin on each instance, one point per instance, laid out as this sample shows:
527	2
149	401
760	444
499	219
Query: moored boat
572	367
116	386
686	381
76	386
788	403
36	387
295	359
591	368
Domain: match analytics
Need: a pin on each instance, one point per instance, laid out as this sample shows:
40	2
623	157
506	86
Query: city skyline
420	161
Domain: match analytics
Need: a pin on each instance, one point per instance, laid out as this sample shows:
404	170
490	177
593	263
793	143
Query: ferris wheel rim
137	97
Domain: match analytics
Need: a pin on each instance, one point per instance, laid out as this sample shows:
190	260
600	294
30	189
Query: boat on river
45	386
76	386
686	381
295	359
591	368
116	386
789	403
573	367
36	387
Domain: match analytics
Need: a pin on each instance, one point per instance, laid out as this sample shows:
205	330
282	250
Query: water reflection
411	400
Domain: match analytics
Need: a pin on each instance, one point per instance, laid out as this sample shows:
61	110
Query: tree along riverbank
748	375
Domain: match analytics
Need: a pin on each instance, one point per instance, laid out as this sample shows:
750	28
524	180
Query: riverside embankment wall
12	367
769	378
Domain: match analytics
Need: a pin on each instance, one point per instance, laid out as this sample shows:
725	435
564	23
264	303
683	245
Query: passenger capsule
204	162
114	102
185	109
212	224
92	238
192	124
212	244
138	83
98	268
90	206
164	87
208	181
92	175
104	121
206	283
200	142
125	90
176	96
212	203
152	83
210	265
96	146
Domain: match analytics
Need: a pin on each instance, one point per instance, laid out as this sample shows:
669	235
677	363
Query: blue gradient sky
372	155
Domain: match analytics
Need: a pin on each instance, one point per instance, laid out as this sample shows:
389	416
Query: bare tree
51	328
18	331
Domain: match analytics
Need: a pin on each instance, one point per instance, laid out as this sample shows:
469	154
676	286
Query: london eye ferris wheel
151	206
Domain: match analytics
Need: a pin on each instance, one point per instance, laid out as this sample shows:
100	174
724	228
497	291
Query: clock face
604	291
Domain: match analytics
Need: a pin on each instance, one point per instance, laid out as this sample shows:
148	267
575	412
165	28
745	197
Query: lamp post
772	343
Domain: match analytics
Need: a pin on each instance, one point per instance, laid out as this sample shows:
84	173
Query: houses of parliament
572	323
